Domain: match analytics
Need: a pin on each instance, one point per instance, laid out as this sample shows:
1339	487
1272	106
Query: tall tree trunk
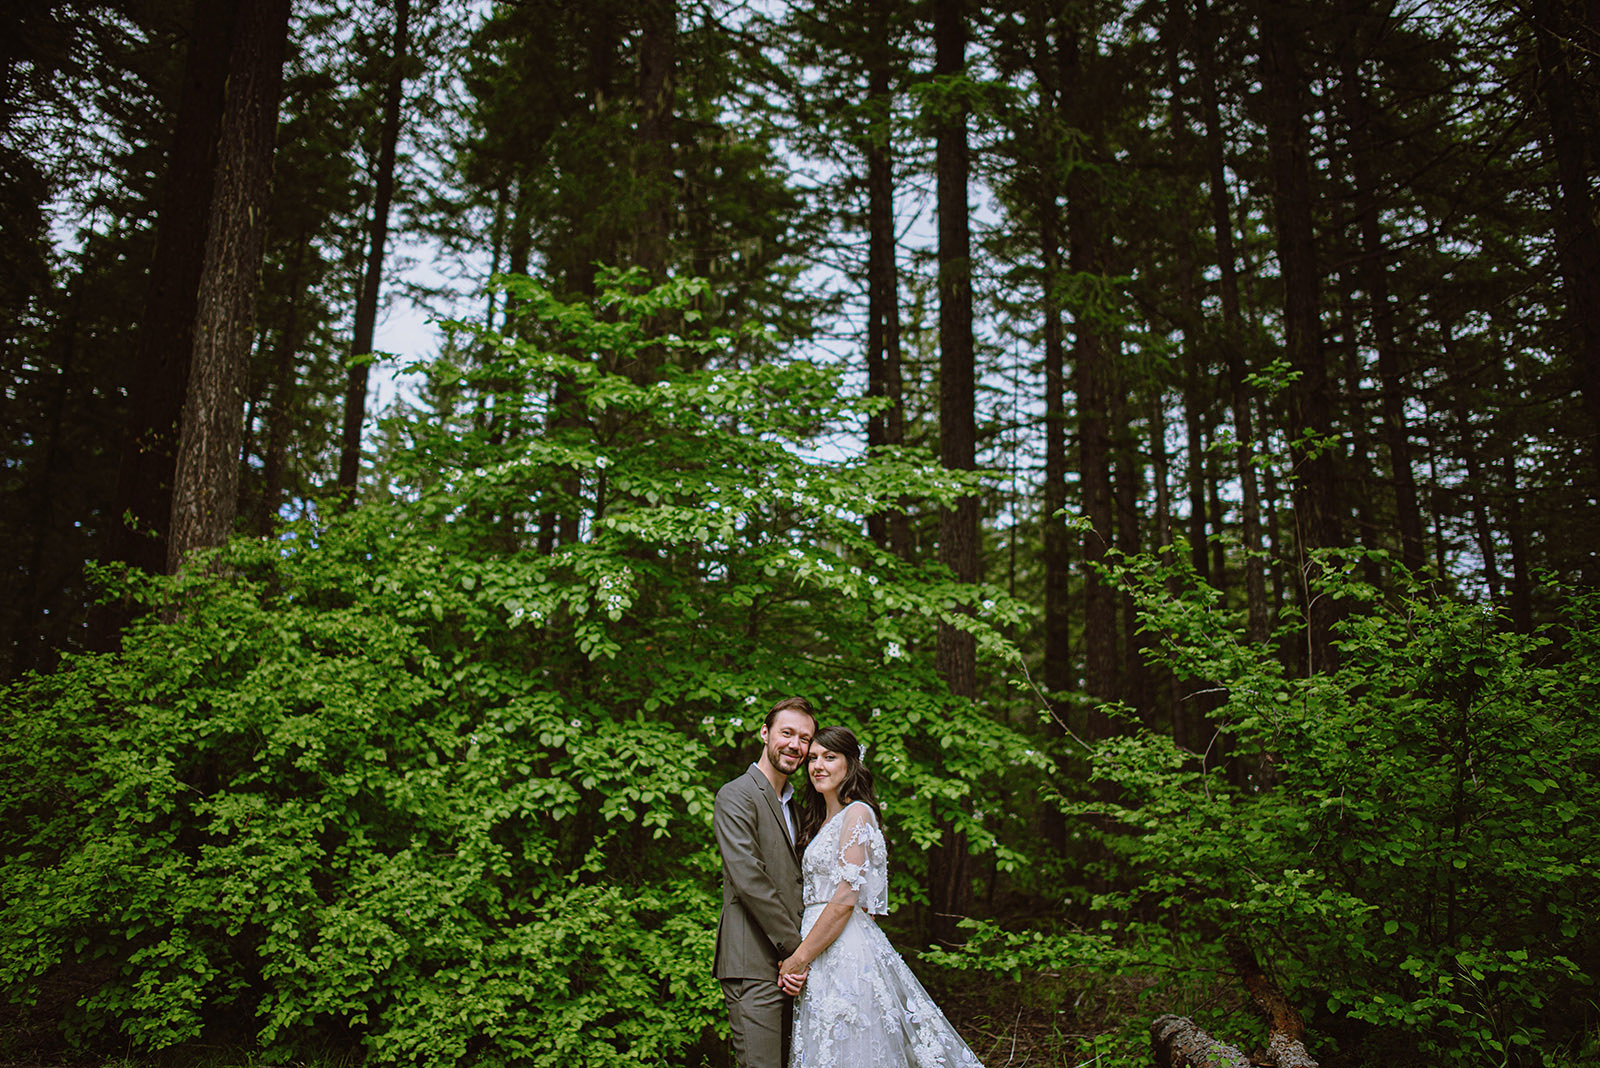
355	390
1436	497
1360	439
29	615
1058	669
1166	693
1559	31
1091	385
657	97
892	528
1255	581
166	336
1374	276
1516	534
281	413
1480	509
1312	445
497	247
205	490
1128	486
519	251
1190	718
1093	379
1272	518
1194	409
894	383
958	526
1219	514
1477	484
1194	404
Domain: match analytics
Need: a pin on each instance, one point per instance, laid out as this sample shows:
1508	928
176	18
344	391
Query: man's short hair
791	704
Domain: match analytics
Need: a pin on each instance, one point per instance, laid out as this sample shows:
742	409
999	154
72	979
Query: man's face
788	740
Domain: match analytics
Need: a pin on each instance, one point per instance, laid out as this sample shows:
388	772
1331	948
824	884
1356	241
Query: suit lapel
772	804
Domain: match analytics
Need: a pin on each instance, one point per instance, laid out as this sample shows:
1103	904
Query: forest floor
1075	1018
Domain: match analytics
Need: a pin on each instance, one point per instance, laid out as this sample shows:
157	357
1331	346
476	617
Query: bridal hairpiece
861	757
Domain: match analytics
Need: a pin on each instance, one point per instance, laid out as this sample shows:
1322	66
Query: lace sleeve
860	870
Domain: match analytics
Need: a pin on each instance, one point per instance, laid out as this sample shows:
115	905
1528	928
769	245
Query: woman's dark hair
857	785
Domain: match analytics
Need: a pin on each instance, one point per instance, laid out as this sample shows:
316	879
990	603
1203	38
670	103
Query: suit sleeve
733	818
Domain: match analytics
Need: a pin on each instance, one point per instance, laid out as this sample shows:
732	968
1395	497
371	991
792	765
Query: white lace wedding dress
862	1007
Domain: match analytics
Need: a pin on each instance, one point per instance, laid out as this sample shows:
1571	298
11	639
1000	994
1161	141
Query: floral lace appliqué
849	852
862	1007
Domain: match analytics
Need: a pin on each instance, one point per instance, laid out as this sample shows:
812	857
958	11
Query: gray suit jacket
761	899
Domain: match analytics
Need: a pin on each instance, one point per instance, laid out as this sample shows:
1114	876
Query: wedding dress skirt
862	1008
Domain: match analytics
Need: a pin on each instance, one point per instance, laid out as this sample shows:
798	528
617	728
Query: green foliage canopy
1407	842
398	775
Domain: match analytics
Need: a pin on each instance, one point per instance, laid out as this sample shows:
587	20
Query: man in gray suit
761	899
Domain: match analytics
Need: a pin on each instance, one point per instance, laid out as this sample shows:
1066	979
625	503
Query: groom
761	900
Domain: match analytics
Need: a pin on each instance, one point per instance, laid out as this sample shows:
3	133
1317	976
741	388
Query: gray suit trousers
762	1018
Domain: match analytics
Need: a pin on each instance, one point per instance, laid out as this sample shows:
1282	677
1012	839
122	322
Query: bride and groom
798	951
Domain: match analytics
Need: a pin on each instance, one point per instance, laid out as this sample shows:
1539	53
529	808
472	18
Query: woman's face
827	769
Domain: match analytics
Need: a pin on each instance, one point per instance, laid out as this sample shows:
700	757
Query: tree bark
1219	514
1312	445
1194	406
366	321
1286	1032
1093	380
1175	1042
892	528
1477	483
1166	693
1058	672
1094	472
29	645
1360	438
165	344
1255	581
1557	30
1128	489
1480	509
281	412
658	42
958	526
1058	668
205	490
1272	517
1374	277
1516	534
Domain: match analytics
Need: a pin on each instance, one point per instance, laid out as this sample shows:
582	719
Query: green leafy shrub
412	777
1408	842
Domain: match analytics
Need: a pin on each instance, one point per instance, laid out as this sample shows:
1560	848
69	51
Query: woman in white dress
861	1007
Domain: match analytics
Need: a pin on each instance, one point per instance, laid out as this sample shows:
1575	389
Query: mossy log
1176	1042
1286	1032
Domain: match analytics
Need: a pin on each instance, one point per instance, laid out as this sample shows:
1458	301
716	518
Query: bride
860	1007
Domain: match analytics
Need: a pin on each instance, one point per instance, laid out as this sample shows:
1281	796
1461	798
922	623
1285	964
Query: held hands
792	973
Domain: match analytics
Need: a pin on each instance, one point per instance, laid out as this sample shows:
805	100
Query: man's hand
792	976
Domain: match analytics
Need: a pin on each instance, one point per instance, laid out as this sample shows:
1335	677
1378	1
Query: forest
1167	433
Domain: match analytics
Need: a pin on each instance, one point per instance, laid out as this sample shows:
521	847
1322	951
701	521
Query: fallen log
1176	1042
1286	1032
1286	1052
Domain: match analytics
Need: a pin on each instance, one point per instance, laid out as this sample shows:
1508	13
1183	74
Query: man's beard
776	758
